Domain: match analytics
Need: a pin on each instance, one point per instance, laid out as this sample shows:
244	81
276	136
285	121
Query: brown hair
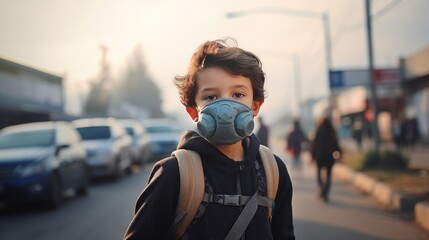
231	59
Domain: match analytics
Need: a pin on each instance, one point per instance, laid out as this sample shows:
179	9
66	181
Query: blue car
39	161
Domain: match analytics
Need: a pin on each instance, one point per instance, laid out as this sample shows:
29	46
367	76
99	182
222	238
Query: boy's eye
238	95
211	98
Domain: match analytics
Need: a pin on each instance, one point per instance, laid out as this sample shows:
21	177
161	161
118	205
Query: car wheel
129	170
129	159
117	170
126	158
55	192
82	190
139	161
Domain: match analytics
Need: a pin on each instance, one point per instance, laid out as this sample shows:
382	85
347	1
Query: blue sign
336	79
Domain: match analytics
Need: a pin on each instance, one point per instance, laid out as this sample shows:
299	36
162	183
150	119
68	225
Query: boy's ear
193	113
256	105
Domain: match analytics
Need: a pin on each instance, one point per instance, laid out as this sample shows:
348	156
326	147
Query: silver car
160	138
134	129
108	146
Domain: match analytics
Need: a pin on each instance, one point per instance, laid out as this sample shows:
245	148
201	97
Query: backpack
192	186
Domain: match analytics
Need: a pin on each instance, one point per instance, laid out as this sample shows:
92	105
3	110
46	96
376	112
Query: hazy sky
62	37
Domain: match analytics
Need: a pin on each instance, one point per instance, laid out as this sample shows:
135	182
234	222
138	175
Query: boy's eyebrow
239	86
209	89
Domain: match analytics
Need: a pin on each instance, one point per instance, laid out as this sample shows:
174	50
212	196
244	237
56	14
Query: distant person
222	92
412	132
397	134
263	132
325	150
295	140
358	132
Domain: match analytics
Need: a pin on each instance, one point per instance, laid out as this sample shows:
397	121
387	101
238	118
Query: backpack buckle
232	200
229	200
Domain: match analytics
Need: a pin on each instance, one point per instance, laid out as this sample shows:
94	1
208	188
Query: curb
384	194
422	215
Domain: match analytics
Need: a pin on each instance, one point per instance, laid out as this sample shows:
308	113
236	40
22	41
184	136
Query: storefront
416	85
353	100
28	94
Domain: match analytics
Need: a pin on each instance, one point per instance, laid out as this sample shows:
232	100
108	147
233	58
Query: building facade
28	94
416	85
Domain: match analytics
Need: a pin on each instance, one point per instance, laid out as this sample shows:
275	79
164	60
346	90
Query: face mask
225	121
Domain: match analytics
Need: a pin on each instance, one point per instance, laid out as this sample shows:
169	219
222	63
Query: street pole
304	14
371	77
327	31
297	77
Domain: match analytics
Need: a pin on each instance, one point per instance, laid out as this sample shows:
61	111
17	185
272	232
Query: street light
299	13
294	59
371	75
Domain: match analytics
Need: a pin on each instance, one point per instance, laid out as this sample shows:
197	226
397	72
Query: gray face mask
225	121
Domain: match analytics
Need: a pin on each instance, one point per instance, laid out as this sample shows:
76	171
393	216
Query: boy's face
215	83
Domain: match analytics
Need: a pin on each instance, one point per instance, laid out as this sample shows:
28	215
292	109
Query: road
107	210
103	214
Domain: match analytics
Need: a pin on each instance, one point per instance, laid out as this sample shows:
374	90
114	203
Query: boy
222	83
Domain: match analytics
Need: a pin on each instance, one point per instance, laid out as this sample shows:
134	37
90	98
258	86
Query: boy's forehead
219	78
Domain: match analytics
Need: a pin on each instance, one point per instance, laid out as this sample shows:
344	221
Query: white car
160	138
108	146
134	129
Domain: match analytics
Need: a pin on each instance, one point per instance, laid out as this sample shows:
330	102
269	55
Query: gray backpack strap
235	200
244	219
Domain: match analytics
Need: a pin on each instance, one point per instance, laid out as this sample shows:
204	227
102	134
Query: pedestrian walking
397	133
222	92
325	150
412	132
295	140
358	133
263	132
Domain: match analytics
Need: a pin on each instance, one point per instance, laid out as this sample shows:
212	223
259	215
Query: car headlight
30	169
156	147
100	155
98	152
103	152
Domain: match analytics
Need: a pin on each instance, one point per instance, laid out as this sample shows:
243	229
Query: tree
138	88
99	95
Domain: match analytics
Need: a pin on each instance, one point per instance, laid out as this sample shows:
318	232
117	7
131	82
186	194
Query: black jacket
156	206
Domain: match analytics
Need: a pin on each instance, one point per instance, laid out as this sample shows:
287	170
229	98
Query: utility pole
328	53
297	79
324	16
374	104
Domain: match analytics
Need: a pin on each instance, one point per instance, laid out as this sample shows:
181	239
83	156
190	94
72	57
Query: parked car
160	138
134	129
39	161
108	146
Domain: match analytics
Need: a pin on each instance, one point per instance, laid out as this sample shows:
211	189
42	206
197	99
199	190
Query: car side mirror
60	148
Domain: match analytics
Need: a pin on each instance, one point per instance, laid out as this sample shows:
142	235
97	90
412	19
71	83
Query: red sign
382	76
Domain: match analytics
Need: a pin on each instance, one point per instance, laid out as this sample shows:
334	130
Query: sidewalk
390	199
348	215
419	155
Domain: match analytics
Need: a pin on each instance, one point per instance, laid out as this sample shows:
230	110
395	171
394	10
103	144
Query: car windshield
94	133
130	131
159	129
36	138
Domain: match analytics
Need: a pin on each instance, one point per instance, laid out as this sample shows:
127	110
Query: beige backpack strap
191	189
271	174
